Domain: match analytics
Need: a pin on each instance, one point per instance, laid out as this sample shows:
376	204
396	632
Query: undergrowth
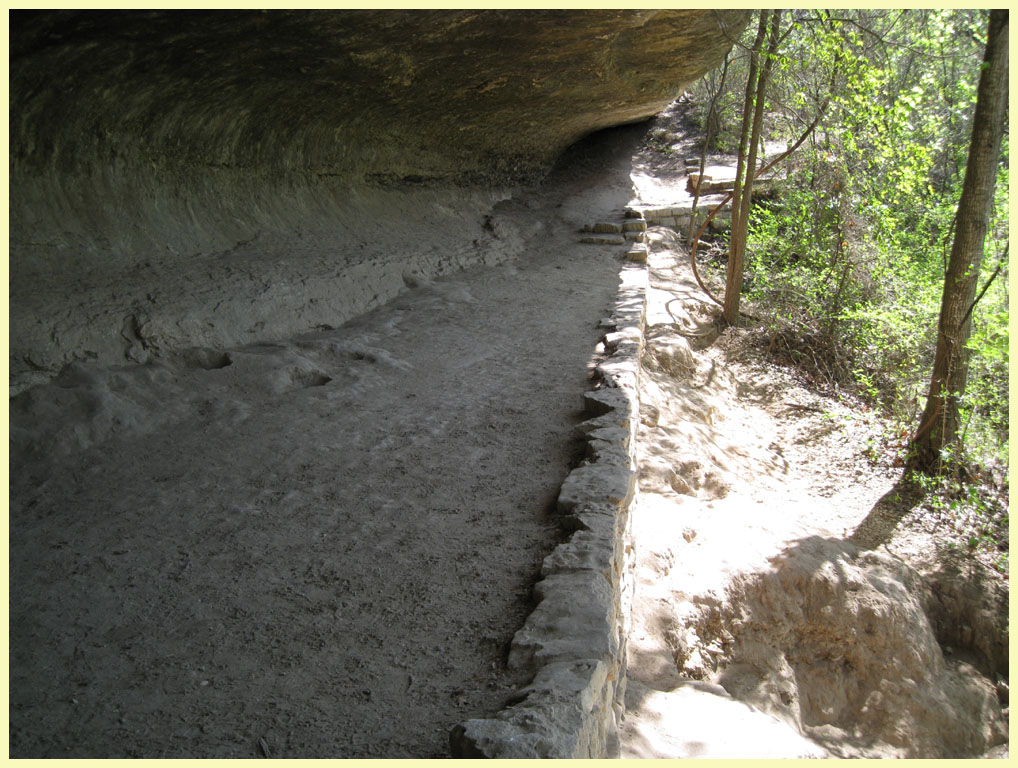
845	266
967	508
969	514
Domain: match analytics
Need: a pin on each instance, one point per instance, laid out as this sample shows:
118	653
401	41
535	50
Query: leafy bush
846	267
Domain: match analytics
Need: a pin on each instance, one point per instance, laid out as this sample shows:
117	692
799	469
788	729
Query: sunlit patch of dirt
771	531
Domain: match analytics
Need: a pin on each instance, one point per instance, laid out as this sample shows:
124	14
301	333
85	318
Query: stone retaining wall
679	216
575	640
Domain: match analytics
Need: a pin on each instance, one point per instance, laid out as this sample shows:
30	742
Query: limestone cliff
212	178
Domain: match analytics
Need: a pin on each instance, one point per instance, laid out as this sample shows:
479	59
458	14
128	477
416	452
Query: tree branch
726	198
985	287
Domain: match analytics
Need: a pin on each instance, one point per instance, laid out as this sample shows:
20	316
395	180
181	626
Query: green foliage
971	515
985	402
846	266
852	253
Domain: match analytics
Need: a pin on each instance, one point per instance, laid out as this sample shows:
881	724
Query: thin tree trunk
744	131
717	208
744	197
939	423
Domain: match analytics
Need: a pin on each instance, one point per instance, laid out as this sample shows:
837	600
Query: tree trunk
939	423
743	196
740	162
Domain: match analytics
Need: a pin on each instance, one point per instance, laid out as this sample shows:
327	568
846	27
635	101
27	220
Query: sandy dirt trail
725	484
752	491
316	547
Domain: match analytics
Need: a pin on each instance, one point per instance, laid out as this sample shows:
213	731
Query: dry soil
317	546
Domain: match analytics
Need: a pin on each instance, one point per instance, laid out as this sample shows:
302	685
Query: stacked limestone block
575	640
680	216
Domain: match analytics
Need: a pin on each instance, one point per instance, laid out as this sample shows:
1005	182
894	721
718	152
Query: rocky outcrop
212	178
836	641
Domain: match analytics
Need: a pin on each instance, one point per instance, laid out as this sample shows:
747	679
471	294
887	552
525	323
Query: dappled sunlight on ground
739	466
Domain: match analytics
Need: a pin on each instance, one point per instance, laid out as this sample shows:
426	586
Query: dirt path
318	547
756	618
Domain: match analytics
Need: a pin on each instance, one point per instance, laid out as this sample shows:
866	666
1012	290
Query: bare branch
996	272
714	211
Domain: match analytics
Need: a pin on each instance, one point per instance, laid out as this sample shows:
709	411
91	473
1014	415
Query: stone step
638	252
708	184
604	228
714	184
603	239
664	211
679	218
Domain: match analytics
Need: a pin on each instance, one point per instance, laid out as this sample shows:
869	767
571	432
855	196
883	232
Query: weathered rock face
172	170
836	641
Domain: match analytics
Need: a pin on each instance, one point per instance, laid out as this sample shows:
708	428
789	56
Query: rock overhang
143	141
411	95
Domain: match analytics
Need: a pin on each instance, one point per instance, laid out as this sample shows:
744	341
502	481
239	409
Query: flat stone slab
705	205
638	252
605	228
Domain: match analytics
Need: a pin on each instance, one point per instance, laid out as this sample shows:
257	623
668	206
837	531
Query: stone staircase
714	184
632	231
